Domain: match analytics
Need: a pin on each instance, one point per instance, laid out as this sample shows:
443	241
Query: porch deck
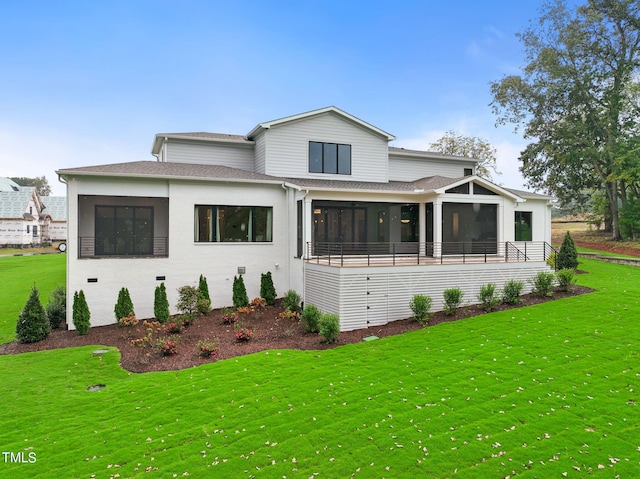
347	255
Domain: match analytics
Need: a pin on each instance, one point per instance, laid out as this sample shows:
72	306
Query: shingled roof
166	170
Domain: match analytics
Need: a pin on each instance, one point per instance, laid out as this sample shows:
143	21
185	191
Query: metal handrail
87	249
341	253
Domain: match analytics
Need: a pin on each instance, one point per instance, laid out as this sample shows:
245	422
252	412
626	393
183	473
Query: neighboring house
20	210
55	212
28	219
319	199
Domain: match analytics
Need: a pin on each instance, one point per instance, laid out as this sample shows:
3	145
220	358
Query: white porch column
308	226
437	227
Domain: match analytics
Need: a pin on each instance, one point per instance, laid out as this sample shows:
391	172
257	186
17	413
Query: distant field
544	391
17	275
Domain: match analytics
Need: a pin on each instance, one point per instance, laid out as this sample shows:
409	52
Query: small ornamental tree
568	255
187	300
267	289
161	304
32	323
124	306
240	298
204	301
81	314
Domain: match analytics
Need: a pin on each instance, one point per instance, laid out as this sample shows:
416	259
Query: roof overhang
329	109
232	140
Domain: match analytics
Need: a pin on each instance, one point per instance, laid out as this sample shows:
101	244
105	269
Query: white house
26	218
319	199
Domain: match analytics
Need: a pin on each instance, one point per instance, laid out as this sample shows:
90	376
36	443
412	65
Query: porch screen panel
469	228
123	230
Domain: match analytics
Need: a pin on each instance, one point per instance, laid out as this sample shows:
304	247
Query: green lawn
545	391
17	275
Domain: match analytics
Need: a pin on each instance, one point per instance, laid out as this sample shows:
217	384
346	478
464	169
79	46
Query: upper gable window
481	190
460	189
331	158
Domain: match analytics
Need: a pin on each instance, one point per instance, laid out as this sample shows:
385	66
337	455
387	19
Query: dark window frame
523	226
127	235
215	229
329	158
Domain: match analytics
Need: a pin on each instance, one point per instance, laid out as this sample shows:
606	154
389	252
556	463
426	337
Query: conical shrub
161	304
568	255
240	298
81	314
32	323
124	306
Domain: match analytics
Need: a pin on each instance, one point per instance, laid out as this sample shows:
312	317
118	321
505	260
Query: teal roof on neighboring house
7	184
56	207
13	204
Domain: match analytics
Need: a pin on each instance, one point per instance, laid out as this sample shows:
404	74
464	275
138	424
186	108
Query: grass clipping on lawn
544	391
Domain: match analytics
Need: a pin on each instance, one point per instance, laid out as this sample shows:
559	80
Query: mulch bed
269	333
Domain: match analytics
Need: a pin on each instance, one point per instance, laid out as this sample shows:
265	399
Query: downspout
288	187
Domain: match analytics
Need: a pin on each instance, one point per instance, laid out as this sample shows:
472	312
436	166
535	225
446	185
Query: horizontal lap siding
403	169
322	289
287	149
208	154
394	288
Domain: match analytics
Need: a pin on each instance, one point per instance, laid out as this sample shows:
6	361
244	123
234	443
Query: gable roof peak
328	109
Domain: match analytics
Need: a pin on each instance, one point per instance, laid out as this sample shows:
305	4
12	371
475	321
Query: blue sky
92	82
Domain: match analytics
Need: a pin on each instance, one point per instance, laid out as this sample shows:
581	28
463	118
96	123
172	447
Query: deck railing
417	253
87	248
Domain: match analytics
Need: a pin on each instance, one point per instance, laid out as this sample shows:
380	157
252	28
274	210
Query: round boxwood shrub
310	318
329	327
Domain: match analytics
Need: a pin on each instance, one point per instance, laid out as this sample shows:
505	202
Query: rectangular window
35	230
332	158
123	230
523	226
233	224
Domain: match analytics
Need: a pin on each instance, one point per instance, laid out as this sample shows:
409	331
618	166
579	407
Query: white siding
407	169
210	154
540	218
287	149
378	295
260	154
187	259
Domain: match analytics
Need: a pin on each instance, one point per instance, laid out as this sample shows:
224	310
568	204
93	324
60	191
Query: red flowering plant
208	349
244	334
168	346
174	328
229	318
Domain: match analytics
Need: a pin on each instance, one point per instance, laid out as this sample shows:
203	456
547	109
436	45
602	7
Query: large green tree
452	143
577	101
